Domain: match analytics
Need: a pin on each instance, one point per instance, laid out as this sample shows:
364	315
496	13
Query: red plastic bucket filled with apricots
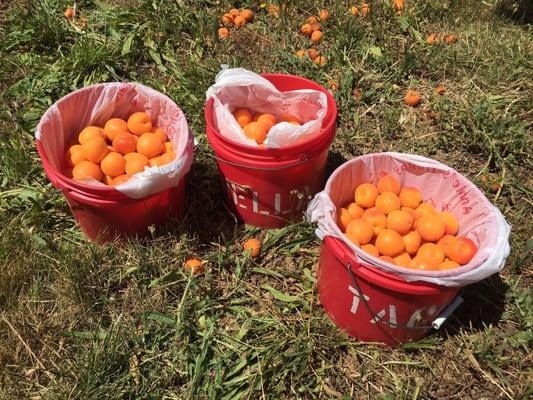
270	186
121	180
401	235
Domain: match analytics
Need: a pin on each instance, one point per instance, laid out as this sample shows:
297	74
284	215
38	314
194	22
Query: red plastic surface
257	190
390	298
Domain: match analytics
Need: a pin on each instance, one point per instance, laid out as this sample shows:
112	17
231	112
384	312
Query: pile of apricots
120	149
256	126
392	223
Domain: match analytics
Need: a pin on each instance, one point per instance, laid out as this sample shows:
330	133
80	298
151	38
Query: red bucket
269	187
374	305
102	212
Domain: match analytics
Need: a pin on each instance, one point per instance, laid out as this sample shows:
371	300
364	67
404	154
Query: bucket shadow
206	213
484	304
335	160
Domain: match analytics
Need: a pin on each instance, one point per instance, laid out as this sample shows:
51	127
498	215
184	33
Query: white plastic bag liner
239	88
95	105
441	186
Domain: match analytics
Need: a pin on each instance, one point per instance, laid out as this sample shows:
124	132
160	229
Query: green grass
122	321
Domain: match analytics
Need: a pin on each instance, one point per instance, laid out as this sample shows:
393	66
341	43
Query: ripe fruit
353	239
316	36
161	160
375	217
312	53
75	155
431	39
320	60
388	183
365	9
462	250
343	218
256	131
360	229
227	19
354	10
424	209
269	120
89	133
95	149
69	12
450	38
113	164
139	123
450	222
403	260
412	242
194	266
289	118
243	117
149	145
400	221
300	54
223	33
115	126
440	89
430	228
312	20
247	14
316	27
168	147
119	180
124	143
365	195
387	259
160	133
306	29
446	242
135	163
389	243
432	252
86	170
448	264
422	264
410	197
388	202
234	12
355	211
239	21
370	249
398	6
412	98
323	14
253	246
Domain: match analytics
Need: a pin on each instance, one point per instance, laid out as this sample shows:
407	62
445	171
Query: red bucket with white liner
148	198
269	187
376	301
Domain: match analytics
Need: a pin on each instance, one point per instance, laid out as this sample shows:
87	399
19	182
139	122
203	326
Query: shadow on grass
484	303
335	160
520	11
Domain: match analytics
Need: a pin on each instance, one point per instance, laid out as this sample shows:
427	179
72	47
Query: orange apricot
227	19
403	259
312	20
360	229
422	263
89	133
86	170
135	163
119	180
448	264
375	217
354	10
75	155
115	126
95	149
400	221
432	252
387	202
289	118
412	98
247	14
124	143
323	14
113	164
430	228
223	33
370	249
256	131
352	238
234	12
306	29
389	243
320	60
387	259
312	53
239	21
139	123
316	36
343	218
450	222
149	145
253	247
365	9
412	242
410	197
424	209
388	183
446	242
194	266
365	195
243	117
168	147
269	120
355	211
300	53
160	133
462	250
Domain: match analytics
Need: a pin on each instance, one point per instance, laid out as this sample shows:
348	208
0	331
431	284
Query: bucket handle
435	324
303	159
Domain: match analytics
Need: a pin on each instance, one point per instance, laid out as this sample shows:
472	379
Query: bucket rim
288	150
